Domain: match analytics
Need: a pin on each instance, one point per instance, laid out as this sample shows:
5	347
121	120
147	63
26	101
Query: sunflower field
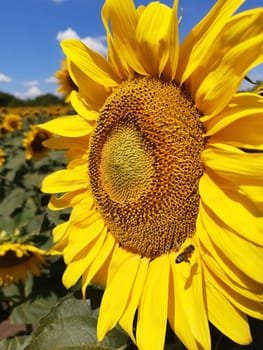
35	308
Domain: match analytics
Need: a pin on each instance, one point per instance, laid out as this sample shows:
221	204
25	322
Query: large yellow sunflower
165	174
17	259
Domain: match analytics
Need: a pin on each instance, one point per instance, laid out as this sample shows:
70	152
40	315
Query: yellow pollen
145	165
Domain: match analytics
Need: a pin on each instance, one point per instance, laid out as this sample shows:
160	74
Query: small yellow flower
2	157
65	82
12	122
165	174
33	143
17	259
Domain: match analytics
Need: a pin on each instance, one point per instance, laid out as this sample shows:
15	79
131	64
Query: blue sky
30	30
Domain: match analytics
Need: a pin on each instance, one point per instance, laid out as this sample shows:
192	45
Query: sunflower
12	122
2	157
165	174
17	259
65	82
33	143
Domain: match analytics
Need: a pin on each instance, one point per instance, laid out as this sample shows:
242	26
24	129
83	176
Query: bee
185	255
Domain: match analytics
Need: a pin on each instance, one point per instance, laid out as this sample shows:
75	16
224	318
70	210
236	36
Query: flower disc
144	165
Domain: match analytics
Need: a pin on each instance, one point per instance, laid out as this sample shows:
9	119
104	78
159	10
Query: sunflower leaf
30	310
71	324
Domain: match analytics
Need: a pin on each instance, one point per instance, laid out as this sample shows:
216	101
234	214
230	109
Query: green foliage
63	328
8	100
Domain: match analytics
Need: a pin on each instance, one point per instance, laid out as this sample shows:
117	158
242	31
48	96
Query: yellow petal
93	92
241	105
80	243
80	106
157	38
119	256
76	268
98	262
237	50
153	307
127	319
246	305
228	250
68	200
117	294
63	143
189	318
72	125
62	180
121	18
239	171
90	62
59	231
227	318
197	44
229	208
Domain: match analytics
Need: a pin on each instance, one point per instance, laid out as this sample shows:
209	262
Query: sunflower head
33	143
65	82
17	259
164	174
12	122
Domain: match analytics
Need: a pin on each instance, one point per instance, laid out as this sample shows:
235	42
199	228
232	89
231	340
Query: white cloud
95	43
4	78
58	1
31	83
67	34
30	93
51	80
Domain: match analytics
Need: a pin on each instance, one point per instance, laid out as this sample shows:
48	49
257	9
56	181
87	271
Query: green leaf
15	343
72	323
14	200
30	311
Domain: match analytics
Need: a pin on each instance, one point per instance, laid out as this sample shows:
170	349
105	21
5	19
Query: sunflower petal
227	318
93	92
68	200
225	203
127	318
90	62
103	254
80	106
75	269
157	37
197	43
189	319
62	180
72	125
123	19
153	308
243	275
215	82
80	242
213	274
241	105
116	295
